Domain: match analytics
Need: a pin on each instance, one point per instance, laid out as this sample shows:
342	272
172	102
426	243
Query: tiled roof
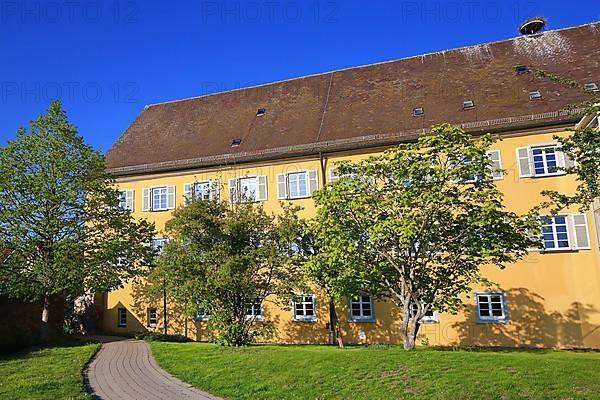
366	106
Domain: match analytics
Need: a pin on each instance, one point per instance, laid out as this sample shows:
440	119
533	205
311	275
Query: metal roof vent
532	25
535	95
261	112
236	142
591	86
521	69
467	104
418	111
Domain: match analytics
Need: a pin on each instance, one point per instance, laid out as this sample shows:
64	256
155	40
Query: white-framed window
496	159
430	317
254	310
596	211
361	308
159	243
297	185
542	160
490	307
126	199
152	318
248	189
159	198
121	317
564	232
304	307
208	190
201	314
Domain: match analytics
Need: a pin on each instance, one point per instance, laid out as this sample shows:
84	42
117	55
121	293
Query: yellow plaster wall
553	298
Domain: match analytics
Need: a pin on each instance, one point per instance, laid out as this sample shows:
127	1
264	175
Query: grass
378	372
46	373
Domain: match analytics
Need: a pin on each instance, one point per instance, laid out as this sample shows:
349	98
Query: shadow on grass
31	351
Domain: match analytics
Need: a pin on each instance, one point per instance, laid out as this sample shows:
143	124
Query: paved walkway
126	370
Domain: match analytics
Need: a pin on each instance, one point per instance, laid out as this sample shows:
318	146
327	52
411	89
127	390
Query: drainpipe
166	330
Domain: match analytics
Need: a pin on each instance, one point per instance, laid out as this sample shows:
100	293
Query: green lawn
46	373
313	372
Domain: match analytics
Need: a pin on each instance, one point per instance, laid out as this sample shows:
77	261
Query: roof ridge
367	65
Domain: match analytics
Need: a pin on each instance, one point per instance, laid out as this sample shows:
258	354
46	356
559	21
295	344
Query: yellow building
281	141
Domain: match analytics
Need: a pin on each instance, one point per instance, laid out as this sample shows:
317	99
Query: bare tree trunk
45	325
335	334
409	329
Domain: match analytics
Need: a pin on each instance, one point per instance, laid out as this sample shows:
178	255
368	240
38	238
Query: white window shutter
333	175
524	161
214	190
567	162
129	199
581	237
233	191
187	193
313	181
146	200
496	159
262	188
170	197
282	186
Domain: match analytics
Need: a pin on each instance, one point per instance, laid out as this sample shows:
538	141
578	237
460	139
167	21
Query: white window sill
304	319
492	321
361	320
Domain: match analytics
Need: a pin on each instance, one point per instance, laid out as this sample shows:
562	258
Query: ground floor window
121	317
152	318
254	310
491	306
304	308
430	316
361	308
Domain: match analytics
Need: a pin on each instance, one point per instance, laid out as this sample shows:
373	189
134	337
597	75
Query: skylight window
418	111
522	69
261	112
468	104
591	86
236	142
535	95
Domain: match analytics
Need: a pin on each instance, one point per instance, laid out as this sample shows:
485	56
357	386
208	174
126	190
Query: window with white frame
596	210
564	232
430	316
296	185
152	318
304	308
158	244
201	314
254	310
158	198
248	189
490	307
208	190
126	199
121	317
495	167
542	160
361	308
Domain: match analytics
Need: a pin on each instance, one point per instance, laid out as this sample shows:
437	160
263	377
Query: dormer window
261	112
236	142
418	111
468	104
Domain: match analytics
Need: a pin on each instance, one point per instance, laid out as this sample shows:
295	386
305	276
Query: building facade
281	141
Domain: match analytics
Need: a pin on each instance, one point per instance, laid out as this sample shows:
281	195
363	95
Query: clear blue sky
107	59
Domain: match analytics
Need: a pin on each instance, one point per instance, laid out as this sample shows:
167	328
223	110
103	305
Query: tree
415	225
227	260
583	146
60	220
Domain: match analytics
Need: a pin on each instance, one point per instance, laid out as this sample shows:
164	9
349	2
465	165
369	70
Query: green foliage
62	233
225	258
161	337
415	225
